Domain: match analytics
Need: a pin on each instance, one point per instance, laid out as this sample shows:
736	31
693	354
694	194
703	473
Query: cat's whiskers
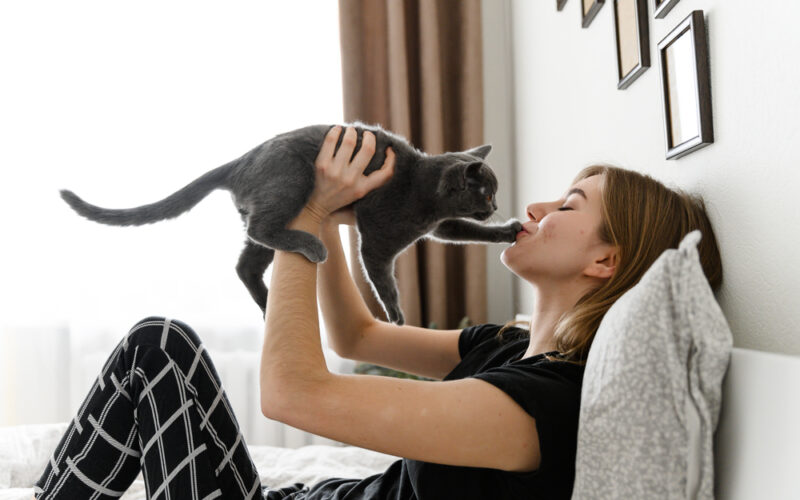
496	217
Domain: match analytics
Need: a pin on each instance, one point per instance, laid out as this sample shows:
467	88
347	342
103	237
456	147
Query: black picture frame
560	4
662	7
686	87
630	45
589	9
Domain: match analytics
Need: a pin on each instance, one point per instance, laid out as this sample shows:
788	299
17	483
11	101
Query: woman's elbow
271	402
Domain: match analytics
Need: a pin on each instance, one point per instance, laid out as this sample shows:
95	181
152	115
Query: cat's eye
489	198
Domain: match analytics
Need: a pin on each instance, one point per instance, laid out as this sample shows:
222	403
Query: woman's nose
534	212
537	211
530	209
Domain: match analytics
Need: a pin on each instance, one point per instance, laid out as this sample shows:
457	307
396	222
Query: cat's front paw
315	252
508	232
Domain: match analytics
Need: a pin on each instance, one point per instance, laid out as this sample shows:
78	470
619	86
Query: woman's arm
345	314
291	357
466	422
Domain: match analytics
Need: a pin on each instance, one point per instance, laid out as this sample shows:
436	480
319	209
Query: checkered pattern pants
158	406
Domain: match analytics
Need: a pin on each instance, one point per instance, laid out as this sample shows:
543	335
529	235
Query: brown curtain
415	68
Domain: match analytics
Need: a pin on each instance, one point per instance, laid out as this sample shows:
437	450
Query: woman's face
559	243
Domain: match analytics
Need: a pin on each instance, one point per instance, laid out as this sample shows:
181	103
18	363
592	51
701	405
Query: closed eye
565	208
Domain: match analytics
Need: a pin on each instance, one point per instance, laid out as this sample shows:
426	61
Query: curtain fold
415	68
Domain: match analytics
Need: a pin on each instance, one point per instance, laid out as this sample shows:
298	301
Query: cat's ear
456	176
453	179
480	151
472	169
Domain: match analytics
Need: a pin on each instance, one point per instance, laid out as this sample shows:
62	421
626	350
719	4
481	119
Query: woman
501	423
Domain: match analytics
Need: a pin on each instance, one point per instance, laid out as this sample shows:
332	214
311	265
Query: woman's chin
507	260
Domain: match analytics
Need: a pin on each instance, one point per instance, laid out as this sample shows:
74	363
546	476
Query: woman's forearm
345	314
292	356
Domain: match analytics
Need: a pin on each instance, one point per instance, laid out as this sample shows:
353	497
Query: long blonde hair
642	217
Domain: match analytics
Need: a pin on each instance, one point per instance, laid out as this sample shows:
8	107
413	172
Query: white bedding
24	451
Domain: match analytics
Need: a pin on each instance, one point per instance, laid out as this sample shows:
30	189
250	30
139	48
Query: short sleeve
550	392
472	336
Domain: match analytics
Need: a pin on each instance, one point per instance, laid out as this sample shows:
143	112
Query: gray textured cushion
652	387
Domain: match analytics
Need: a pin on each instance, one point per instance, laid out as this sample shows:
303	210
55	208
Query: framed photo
633	40
686	88
589	9
662	7
560	4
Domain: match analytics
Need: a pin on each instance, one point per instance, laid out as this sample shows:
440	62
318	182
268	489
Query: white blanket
24	451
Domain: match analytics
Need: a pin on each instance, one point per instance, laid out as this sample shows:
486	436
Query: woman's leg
157	405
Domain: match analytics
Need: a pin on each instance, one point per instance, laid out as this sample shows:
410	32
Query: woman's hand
339	181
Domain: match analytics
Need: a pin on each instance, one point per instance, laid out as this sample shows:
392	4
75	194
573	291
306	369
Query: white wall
569	114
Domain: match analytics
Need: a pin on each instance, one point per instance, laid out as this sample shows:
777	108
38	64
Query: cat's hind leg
253	261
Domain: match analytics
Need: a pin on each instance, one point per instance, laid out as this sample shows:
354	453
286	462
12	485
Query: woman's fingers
349	139
325	155
364	155
379	177
340	181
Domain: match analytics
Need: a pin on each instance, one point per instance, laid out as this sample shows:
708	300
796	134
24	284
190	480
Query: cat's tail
171	206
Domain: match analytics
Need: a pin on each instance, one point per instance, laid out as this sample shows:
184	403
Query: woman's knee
155	340
165	333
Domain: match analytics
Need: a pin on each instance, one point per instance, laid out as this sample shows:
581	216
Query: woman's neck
547	310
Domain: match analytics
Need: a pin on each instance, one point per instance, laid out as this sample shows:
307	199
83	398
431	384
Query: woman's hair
642	217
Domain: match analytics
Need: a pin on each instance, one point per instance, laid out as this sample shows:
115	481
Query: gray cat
429	195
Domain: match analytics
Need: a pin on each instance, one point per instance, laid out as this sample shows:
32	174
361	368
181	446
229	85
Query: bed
757	444
24	450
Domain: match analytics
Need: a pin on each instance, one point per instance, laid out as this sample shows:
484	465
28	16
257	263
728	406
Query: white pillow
652	387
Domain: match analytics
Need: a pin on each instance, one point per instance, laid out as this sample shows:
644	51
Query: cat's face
468	189
478	196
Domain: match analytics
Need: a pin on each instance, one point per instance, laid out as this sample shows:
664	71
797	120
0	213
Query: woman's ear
604	265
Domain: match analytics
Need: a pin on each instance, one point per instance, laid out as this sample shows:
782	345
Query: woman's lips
525	231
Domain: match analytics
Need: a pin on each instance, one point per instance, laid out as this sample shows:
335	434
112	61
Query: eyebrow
576	191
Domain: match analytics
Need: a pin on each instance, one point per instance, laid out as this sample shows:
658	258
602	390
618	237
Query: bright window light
124	103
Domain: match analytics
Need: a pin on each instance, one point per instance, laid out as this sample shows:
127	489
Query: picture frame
686	87
662	7
589	9
560	4
632	33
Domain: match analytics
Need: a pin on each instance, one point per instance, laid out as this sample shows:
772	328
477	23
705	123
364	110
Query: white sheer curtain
124	103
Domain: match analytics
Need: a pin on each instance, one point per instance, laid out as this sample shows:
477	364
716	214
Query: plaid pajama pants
158	406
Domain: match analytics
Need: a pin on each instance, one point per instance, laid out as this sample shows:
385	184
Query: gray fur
428	195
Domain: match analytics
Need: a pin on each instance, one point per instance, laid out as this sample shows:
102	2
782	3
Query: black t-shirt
548	390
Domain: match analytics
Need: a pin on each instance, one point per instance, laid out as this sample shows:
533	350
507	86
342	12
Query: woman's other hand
339	181
345	215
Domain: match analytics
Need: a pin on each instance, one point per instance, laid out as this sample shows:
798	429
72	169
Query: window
124	104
